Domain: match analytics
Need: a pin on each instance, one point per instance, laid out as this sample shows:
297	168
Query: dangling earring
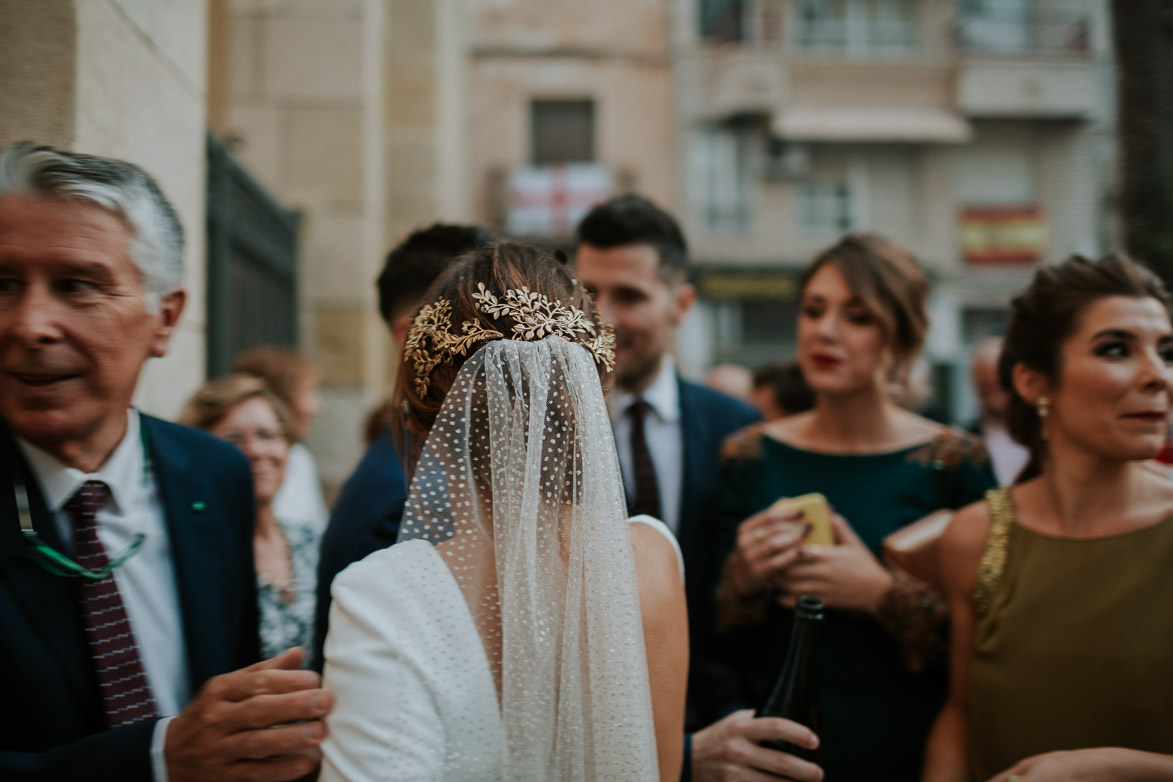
1043	407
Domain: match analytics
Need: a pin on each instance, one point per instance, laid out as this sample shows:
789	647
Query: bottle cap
809	606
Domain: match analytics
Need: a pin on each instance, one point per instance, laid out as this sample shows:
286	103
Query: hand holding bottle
730	750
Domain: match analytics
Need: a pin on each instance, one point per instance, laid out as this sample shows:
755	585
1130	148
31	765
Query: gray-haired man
127	591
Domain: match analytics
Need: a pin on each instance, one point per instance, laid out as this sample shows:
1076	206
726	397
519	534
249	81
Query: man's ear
1030	384
170	308
682	300
399	328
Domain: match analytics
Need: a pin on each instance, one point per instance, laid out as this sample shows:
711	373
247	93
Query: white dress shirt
146	581
665	438
1007	456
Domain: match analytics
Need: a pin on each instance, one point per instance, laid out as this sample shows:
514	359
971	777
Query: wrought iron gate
252	264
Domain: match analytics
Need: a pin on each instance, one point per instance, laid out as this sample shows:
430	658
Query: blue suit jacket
707	417
365	519
55	720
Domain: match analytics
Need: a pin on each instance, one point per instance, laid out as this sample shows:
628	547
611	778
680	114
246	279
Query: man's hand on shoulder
261	724
729	750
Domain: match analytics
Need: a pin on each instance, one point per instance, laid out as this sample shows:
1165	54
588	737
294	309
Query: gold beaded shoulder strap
993	560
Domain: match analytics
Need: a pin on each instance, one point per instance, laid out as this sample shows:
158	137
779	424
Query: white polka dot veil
518	487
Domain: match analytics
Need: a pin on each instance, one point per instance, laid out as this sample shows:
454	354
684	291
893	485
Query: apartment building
976	132
567	103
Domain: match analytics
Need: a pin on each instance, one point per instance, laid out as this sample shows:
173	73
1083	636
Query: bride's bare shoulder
657	560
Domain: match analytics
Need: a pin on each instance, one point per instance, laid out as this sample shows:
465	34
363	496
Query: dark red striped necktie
125	690
647	487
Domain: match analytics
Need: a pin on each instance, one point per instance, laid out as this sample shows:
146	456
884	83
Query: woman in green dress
862	321
1060	587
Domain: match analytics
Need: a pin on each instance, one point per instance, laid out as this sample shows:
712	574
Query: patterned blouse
287	614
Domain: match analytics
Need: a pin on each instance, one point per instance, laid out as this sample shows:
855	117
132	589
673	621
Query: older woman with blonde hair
241	409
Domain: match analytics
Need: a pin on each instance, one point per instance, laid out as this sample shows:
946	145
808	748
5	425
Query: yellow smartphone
816	512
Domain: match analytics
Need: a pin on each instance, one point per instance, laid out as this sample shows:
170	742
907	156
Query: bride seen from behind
521	628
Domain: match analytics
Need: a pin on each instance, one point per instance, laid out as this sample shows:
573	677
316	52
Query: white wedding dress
414	698
501	638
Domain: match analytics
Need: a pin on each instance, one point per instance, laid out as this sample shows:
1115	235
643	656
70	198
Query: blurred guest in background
366	514
1007	456
862	320
291	376
732	379
780	390
240	409
1060	587
633	259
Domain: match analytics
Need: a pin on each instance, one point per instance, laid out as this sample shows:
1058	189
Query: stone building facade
976	132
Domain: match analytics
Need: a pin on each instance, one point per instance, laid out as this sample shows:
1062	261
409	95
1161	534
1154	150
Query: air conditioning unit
785	160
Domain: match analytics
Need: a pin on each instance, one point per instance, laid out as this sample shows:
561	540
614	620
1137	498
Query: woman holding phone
862	321
1059	586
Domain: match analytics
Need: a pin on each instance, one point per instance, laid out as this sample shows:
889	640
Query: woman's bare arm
1088	765
961	550
665	624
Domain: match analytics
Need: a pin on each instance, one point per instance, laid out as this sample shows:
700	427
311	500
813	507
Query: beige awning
871	123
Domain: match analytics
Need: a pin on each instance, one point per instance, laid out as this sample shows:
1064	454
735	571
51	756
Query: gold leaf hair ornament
431	339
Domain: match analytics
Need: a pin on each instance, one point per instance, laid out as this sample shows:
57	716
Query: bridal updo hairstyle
890	283
500	267
1045	315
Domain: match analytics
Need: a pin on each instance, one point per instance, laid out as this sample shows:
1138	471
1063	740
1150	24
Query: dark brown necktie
647	488
125	690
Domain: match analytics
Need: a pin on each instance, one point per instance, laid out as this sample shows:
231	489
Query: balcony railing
855	33
838	37
1017	35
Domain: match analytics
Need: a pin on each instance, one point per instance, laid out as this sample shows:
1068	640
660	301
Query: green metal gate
252	264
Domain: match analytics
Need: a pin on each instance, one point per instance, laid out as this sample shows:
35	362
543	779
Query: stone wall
124	79
347	112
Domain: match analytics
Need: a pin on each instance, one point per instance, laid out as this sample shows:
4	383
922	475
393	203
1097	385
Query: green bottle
796	693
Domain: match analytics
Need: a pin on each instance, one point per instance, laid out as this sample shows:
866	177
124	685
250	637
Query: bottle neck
804	637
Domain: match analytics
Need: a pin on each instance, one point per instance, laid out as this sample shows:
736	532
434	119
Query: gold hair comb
431	339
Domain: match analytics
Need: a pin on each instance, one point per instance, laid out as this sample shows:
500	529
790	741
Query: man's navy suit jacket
365	519
53	711
707	417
